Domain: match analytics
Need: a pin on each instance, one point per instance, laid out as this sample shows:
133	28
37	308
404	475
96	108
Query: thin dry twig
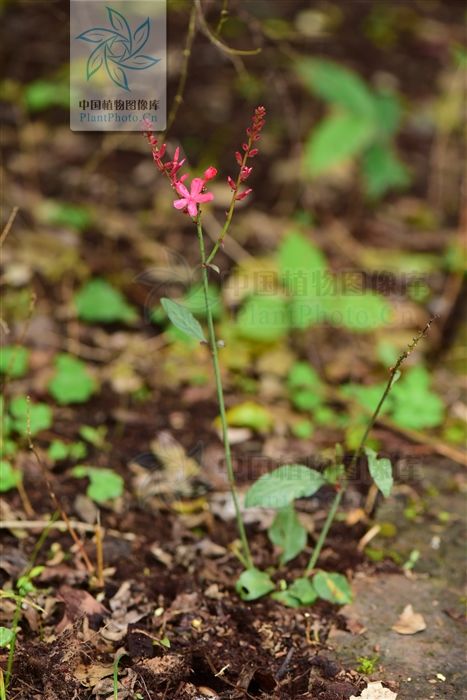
8	225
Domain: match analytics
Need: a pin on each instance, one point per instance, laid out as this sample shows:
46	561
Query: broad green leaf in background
388	113
338	85
305	387
59	450
358	312
335	140
383	170
105	484
64	214
42	94
183	319
99	302
40	416
14	360
288	533
332	587
253	584
414	404
381	471
283	485
195	302
301	264
263	318
250	414
9	477
72	382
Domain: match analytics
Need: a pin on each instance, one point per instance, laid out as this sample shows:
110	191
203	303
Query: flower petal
182	190
196	186
207	197
180	203
192	208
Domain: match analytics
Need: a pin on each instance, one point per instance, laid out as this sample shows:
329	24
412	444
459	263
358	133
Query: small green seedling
367	664
104	484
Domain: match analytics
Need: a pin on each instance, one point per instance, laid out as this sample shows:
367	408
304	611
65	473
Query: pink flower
190	200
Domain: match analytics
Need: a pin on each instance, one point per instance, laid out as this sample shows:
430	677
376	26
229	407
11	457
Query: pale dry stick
99	552
61	525
8	225
56	501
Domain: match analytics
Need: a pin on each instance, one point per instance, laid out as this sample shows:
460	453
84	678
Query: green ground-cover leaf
263	318
14	361
99	302
39	416
71	382
6	636
253	584
332	587
52	212
283	485
9	477
104	484
415	405
250	414
383	170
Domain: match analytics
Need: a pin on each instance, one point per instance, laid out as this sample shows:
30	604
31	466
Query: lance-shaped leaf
283	485
141	35
139	62
183	319
95	61
288	533
119	23
380	470
96	35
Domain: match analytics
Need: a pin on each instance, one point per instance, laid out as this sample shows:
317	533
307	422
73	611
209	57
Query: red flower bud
209	173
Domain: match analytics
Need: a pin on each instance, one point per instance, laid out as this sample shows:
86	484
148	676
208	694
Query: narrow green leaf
183	319
283	485
381	471
6	636
288	533
253	584
336	139
332	587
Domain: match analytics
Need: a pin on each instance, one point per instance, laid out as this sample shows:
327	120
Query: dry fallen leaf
409	622
375	691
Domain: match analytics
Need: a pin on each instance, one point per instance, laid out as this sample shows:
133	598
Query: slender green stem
11	651
2	686
351	470
220	398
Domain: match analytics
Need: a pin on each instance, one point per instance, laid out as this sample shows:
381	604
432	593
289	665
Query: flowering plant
280	488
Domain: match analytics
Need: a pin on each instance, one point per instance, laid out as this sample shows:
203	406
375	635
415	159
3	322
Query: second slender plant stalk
350	472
